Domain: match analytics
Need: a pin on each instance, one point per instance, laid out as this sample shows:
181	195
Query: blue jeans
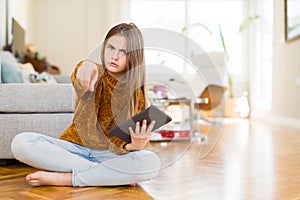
89	167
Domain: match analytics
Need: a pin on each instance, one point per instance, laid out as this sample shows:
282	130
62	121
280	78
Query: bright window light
158	14
214	14
210	13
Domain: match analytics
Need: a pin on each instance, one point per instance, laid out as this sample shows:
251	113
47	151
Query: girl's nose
115	55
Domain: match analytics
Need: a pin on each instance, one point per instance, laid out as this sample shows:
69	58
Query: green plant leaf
223	42
184	30
247	23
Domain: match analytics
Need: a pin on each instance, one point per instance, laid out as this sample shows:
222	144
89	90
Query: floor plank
251	160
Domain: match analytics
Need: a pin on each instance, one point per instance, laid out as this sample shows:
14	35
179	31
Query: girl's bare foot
49	178
52	178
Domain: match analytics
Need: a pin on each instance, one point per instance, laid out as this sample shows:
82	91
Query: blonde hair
135	62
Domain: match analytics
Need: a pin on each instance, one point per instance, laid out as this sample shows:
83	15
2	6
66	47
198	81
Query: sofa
45	108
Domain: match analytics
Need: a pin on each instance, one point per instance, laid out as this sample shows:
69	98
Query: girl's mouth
113	64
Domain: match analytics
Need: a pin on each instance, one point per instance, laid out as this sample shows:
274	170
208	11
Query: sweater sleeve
78	89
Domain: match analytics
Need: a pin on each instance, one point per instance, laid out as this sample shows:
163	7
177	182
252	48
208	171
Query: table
180	128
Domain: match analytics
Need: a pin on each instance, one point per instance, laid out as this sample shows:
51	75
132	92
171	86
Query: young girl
86	153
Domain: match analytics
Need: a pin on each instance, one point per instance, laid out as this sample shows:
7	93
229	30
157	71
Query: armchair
210	98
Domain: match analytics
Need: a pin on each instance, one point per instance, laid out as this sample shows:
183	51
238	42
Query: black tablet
121	130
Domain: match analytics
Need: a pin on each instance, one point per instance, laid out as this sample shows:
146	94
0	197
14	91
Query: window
210	13
250	54
214	14
158	14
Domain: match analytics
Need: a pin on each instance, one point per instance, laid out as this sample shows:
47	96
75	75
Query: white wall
286	95
18	9
2	23
65	31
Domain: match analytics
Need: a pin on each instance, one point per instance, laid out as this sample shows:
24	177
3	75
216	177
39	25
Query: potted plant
236	106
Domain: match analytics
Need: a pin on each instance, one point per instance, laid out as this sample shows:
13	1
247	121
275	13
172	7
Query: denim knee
156	163
21	143
150	164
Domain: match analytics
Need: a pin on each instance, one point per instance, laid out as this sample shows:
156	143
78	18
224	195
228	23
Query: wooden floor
251	160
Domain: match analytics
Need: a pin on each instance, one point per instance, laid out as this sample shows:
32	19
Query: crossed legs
68	164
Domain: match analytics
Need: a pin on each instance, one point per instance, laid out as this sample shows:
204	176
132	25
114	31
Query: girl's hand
87	75
140	137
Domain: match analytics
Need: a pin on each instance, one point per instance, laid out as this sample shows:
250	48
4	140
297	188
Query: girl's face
115	54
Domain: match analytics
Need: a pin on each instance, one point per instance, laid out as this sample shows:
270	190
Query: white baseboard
269	117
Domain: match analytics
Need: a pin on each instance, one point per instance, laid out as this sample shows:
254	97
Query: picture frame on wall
292	20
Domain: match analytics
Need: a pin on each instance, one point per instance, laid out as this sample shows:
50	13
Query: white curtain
260	39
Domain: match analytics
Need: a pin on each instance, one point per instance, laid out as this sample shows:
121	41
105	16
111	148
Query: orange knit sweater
97	112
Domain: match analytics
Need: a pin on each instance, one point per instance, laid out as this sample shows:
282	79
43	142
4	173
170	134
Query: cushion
7	56
26	70
29	75
33	98
26	67
43	77
10	72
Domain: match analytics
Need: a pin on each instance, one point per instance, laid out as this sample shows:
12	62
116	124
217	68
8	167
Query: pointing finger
93	79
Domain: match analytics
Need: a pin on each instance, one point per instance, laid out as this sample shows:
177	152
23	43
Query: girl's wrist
130	147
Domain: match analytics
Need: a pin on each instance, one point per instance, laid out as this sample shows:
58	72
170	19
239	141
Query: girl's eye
109	47
123	52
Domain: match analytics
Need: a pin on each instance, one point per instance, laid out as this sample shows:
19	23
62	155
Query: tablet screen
152	113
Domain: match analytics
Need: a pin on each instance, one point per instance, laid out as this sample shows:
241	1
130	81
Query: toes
34	183
28	177
33	179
